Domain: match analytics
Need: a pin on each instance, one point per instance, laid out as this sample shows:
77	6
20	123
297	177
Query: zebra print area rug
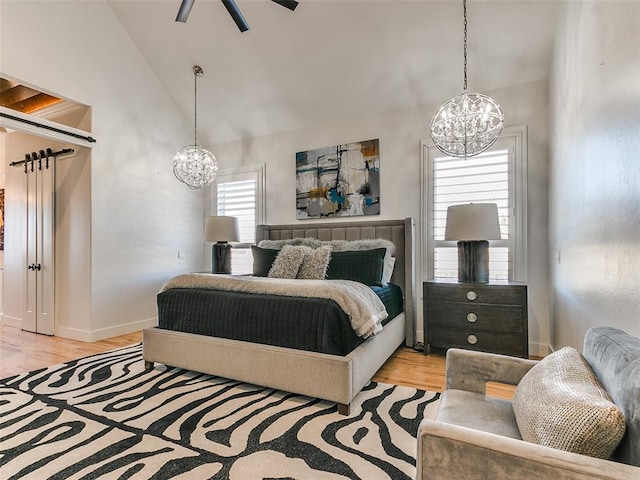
105	417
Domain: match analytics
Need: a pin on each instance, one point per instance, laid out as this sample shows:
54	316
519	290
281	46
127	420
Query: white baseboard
104	333
10	321
73	333
539	349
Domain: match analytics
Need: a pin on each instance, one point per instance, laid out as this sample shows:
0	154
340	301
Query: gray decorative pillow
343	246
561	404
315	263
288	261
336	245
278	244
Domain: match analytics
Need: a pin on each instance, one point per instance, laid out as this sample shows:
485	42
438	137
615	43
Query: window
240	193
498	176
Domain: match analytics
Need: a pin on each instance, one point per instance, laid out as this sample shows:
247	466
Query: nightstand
491	317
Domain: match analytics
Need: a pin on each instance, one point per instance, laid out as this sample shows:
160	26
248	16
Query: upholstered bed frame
329	377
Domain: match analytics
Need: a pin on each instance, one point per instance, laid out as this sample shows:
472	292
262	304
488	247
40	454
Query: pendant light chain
467	124
464	6
197	72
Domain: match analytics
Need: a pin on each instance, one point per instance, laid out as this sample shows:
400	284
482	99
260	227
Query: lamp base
221	258
473	261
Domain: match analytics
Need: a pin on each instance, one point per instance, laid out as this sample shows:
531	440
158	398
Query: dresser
491	317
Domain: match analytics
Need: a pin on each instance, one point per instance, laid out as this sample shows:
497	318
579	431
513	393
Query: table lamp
221	230
472	225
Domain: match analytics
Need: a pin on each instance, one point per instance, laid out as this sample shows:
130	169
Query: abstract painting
338	181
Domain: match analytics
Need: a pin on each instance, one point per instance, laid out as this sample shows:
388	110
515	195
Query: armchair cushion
491	415
560	403
614	357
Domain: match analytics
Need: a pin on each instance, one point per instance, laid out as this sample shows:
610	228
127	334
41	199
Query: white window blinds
480	179
240	193
238	199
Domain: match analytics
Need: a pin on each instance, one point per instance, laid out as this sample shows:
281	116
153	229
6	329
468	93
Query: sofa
474	436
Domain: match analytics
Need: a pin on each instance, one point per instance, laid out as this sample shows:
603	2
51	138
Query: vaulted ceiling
333	59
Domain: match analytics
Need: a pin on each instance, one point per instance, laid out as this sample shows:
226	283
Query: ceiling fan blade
290	4
235	13
185	9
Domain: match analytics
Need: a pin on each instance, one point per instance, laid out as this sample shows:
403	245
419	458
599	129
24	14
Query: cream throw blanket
365	310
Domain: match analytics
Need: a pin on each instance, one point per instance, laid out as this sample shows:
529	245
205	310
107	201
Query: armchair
476	437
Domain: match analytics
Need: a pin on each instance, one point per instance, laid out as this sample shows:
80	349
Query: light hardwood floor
22	351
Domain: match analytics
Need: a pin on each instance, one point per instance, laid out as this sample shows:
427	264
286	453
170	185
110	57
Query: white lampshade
472	221
221	229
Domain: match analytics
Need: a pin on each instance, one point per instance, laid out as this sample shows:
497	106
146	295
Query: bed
329	376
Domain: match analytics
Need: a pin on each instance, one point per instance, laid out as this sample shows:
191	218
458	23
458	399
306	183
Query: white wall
127	214
595	171
400	134
2	185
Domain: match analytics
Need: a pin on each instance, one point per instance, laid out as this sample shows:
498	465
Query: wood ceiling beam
23	99
6	85
16	94
36	102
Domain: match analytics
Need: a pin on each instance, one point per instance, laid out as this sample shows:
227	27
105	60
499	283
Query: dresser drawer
472	339
474	293
494	314
500	318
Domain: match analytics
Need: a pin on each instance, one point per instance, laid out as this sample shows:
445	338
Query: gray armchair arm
486	455
470	371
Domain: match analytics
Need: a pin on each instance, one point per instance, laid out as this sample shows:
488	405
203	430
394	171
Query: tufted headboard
400	232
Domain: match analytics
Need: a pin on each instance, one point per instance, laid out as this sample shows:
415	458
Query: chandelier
467	124
194	165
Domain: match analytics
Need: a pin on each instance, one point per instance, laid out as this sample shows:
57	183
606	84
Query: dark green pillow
364	266
262	260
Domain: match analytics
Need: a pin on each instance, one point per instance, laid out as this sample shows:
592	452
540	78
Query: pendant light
467	124
194	165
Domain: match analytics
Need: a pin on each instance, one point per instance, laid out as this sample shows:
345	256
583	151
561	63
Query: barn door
40	307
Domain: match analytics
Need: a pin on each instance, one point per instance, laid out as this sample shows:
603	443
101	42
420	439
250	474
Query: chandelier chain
464	6
467	124
195	107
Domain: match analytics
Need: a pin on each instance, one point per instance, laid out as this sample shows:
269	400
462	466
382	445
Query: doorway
34	264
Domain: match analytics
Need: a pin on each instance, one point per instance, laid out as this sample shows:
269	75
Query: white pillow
315	263
387	270
288	261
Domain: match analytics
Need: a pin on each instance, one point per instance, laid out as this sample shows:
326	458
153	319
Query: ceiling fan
232	8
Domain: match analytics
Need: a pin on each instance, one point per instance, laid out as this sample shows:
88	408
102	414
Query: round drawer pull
472	317
472	339
471	295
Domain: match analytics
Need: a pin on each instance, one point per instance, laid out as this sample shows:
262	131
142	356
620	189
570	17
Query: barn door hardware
30	159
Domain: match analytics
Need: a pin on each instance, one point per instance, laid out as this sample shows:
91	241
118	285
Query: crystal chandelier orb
195	166
467	125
